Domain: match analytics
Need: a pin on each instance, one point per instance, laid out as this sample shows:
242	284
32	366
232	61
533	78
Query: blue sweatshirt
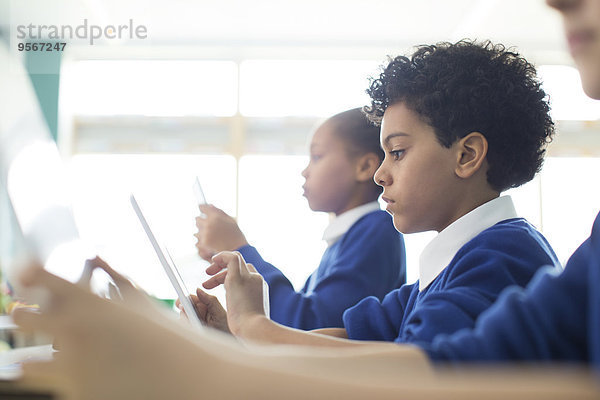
368	260
557	318
507	253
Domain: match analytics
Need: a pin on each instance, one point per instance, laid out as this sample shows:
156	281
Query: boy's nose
304	172
380	176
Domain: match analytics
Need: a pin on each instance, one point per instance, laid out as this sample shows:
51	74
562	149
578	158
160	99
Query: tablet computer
199	193
169	266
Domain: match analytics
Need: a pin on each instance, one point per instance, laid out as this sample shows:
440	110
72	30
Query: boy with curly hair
460	123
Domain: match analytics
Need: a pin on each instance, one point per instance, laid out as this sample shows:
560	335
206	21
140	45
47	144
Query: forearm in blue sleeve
288	307
365	265
545	322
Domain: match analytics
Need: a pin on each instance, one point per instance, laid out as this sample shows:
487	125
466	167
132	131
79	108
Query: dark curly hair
357	131
473	87
360	136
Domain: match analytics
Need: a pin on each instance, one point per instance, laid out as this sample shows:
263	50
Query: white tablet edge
169	268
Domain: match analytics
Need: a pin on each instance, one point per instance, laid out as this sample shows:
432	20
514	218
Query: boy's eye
315	157
396	154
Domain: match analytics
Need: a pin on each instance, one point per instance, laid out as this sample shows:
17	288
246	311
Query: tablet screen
168	265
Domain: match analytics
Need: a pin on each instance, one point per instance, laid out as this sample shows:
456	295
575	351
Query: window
152	125
275	216
563	84
176	123
163	186
303	87
570	202
151	87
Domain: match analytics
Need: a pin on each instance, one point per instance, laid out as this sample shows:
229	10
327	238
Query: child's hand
209	310
244	290
108	349
217	231
218	273
123	289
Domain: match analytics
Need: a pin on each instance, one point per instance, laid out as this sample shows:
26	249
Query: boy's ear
366	165
471	153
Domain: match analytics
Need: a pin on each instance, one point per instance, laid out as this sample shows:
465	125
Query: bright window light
570	201
40	197
25	184
527	201
163	185
567	99
276	218
303	87
151	87
414	244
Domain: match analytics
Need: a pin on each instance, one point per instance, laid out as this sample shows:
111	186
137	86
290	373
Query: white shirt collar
340	224
439	252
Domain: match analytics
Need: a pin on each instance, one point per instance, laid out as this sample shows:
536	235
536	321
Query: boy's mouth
389	204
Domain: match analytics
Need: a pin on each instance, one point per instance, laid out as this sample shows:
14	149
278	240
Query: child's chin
319	205
313	206
400	225
316	208
405	227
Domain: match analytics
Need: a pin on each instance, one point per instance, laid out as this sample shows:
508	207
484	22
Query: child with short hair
460	123
365	254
